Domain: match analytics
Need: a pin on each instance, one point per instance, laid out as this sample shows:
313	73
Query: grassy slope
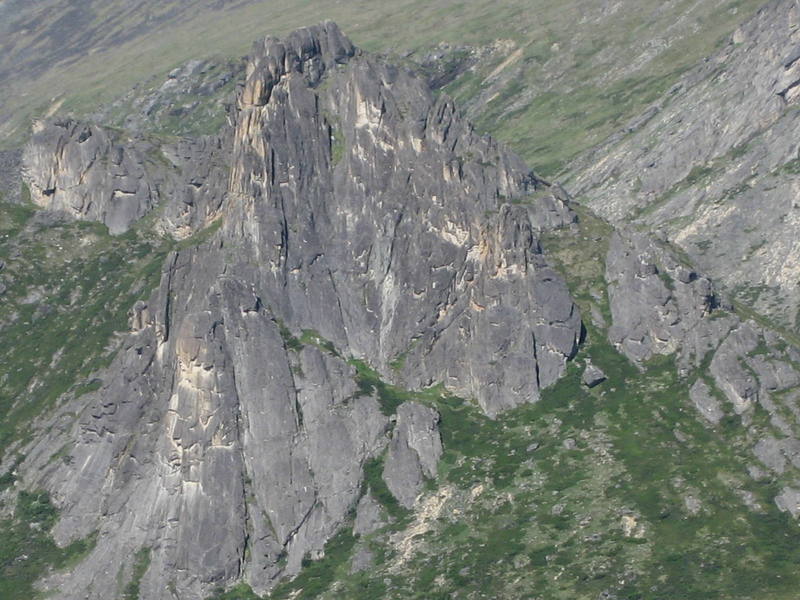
69	290
584	68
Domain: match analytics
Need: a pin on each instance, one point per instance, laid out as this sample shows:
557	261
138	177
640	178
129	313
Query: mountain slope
552	78
228	437
713	165
363	351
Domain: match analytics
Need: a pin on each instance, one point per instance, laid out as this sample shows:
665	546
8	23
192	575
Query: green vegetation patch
69	289
141	562
26	549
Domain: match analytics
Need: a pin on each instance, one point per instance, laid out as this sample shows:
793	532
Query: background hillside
550	78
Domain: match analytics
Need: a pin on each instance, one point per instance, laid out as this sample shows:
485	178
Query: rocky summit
293	326
361	220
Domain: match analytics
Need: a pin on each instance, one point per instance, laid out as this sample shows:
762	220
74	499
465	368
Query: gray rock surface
370	516
414	452
592	376
87	173
707	405
353	206
659	305
789	500
714	164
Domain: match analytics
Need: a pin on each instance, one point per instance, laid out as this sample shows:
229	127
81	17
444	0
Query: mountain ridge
381	357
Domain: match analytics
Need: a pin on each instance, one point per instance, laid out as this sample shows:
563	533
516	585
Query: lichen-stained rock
414	452
357	212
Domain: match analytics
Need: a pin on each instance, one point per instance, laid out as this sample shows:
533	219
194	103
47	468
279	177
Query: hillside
550	78
283	321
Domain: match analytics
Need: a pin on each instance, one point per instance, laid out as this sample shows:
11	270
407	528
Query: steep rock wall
361	218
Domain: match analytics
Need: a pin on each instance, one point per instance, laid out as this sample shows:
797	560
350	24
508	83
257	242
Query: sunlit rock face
360	218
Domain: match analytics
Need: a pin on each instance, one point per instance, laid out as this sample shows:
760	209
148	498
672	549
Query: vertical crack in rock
216	430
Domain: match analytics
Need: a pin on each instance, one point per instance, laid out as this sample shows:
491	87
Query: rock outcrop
739	371
89	172
81	170
658	304
414	452
362	219
592	376
714	164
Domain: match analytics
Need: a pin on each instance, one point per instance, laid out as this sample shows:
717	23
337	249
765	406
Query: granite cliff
289	326
361	220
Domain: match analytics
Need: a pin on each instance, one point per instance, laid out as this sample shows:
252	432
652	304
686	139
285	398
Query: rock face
714	164
439	225
79	169
413	452
361	218
89	172
658	305
736	368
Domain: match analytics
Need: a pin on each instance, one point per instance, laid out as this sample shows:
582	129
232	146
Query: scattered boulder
592	376
362	559
789	501
706	403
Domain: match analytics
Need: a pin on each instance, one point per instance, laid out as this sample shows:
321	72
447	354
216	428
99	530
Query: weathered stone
369	516
769	451
789	500
707	405
592	376
87	172
735	381
413	452
364	212
81	170
653	310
